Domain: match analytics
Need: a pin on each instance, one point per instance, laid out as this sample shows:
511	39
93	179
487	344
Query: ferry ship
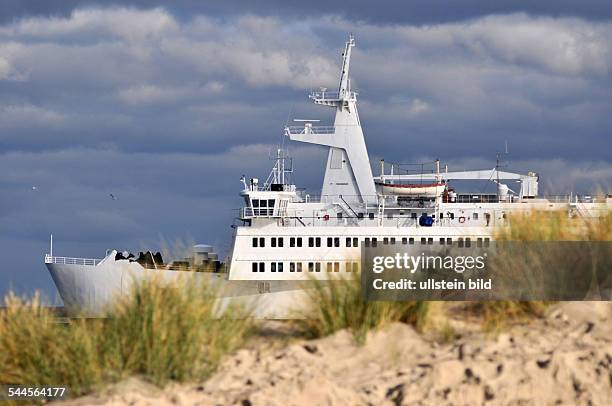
284	236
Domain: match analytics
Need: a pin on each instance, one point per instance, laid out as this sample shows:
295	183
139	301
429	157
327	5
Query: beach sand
562	358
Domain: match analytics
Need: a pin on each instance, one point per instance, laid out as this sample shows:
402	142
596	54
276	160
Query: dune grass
171	333
497	315
37	349
538	226
176	250
159	332
339	305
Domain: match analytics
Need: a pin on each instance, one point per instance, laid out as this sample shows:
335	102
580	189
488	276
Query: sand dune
565	358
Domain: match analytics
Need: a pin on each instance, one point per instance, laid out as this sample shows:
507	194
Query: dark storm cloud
167	108
381	11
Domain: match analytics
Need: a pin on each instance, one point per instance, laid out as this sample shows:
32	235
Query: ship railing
424	200
493	198
318	130
390	219
370	201
356	200
478	198
574	198
331	96
71	261
248	212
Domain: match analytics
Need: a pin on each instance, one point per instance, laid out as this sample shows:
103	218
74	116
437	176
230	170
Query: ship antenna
497	172
345	85
289	115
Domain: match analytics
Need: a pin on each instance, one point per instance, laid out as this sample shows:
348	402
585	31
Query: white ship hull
89	290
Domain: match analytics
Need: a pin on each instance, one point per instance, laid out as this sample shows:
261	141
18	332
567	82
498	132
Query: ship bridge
271	199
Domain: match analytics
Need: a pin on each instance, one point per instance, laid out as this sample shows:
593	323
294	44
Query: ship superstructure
286	236
291	235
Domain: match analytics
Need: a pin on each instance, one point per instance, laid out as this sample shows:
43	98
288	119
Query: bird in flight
112	196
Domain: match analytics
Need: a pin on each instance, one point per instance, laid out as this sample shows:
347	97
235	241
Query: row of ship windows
461	242
298	242
354	241
300	266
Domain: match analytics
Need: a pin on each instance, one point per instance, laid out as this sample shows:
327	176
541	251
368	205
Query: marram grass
495	316
159	332
171	333
538	226
338	304
38	350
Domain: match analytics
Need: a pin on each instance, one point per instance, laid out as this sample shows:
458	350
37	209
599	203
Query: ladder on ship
381	209
346	208
581	209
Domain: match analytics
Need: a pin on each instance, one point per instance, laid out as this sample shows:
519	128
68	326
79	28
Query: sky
165	106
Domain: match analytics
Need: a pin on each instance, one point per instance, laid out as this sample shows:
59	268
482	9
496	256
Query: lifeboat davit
412	189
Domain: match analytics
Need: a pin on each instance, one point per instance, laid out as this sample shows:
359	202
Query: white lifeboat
412	189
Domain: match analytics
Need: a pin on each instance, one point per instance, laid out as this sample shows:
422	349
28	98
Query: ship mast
348	172
344	88
281	171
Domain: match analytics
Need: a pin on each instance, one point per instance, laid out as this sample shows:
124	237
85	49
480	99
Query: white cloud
153	94
143	44
258	64
482	76
145	94
126	23
264	51
417	106
564	46
5	69
27	115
